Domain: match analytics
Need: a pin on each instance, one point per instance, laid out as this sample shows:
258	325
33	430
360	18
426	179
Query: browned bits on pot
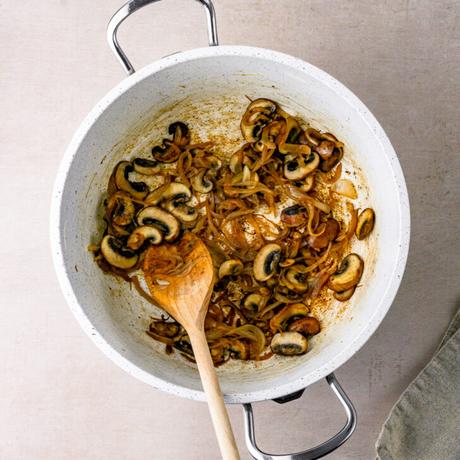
365	223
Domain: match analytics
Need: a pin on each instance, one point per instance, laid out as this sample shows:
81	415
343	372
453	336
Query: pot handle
315	452
133	5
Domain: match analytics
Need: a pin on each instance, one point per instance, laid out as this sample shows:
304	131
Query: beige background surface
60	397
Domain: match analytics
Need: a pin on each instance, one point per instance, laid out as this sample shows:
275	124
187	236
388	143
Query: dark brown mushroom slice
166	153
306	326
289	344
329	234
325	149
146	167
332	161
120	209
294	216
183	344
348	274
137	190
343	296
365	223
165	328
266	261
180	133
116	255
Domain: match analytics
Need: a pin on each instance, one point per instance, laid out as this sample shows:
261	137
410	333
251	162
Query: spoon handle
219	415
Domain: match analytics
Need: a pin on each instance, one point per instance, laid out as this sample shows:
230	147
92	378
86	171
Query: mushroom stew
276	217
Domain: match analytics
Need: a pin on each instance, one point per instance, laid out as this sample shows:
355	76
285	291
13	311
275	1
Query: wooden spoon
185	296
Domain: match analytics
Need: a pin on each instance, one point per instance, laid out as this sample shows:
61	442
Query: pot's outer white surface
115	321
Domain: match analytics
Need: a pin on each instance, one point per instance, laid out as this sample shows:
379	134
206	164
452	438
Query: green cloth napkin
425	423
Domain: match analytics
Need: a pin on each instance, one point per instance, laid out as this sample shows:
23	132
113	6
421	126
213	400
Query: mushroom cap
145	166
253	302
169	152
201	182
343	296
288	314
230	267
365	223
116	255
289	344
266	261
348	274
120	209
305	326
298	167
137	190
174	191
296	278
142	234
168	225
181	211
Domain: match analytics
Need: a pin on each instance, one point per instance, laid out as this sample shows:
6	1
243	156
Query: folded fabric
425	422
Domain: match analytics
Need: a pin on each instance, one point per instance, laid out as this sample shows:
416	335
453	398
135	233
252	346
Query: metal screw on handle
130	7
316	452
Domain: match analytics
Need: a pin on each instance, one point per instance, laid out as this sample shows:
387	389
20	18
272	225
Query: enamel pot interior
206	88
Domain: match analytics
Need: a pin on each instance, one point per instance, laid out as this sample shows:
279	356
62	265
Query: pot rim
280	58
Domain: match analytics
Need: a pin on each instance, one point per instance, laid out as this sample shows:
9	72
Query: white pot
208	85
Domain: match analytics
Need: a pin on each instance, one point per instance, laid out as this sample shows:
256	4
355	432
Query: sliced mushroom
230	267
306	326
176	191
137	190
201	182
142	234
325	149
296	279
348	274
182	211
287	315
289	344
365	223
288	140
166	153
331	230
115	254
146	167
165	329
184	346
286	295
344	295
254	302
266	261
161	219
333	160
236	162
258	114
180	132
298	167
306	184
120	209
294	216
